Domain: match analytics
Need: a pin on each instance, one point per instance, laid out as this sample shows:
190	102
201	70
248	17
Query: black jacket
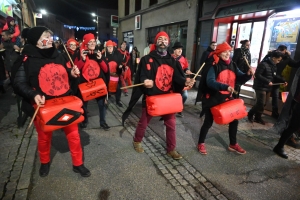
240	61
205	55
265	73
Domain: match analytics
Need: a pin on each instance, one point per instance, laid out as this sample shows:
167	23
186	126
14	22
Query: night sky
77	10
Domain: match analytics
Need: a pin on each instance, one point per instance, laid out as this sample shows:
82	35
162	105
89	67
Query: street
118	172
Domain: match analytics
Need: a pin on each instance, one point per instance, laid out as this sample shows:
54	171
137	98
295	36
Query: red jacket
183	62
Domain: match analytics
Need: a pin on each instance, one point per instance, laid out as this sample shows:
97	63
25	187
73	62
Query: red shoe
237	149
202	149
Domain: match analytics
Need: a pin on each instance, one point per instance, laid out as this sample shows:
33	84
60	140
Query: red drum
228	111
113	84
92	89
60	112
164	104
284	96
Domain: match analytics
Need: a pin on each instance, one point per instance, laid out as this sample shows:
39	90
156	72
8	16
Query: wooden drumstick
130	86
199	70
193	74
29	125
248	65
278	84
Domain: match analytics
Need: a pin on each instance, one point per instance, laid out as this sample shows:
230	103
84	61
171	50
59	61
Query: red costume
126	74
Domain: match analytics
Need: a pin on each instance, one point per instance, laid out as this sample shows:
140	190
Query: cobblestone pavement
17	152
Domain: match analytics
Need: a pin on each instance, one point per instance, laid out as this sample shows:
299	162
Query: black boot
250	116
280	152
2	90
84	172
44	169
258	119
275	114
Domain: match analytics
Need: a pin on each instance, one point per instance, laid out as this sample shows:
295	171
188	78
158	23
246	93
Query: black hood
36	52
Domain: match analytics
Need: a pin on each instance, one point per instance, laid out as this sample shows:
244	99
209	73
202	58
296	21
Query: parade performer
44	76
84	60
12	27
126	73
114	59
217	87
177	47
161	74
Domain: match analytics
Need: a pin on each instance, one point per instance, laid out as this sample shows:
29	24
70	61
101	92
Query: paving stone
177	176
214	191
189	188
182	182
208	185
188	177
221	197
186	196
202	179
8	197
180	189
173	171
164	171
199	188
168	176
174	182
205	194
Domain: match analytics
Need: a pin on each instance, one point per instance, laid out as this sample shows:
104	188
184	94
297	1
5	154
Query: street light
43	11
96	20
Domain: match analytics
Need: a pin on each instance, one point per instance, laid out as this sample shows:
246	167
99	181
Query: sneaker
202	149
104	126
84	172
293	143
126	93
237	149
119	104
179	114
260	121
138	147
174	155
44	169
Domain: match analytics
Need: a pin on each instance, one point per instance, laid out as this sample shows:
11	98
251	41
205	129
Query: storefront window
282	29
177	33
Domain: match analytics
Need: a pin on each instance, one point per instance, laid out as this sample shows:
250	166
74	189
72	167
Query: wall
158	16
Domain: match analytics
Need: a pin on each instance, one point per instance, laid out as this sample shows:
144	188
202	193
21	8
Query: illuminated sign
80	28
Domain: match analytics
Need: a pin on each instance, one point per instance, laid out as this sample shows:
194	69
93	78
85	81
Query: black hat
35	33
177	45
24	33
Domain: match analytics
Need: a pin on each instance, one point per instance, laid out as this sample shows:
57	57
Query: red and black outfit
168	77
126	74
44	73
214	84
90	69
114	60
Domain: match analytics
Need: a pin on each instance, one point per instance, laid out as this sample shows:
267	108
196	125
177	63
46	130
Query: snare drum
113	84
60	112
92	89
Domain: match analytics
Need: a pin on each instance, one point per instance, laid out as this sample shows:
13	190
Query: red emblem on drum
113	66
90	70
53	79
164	76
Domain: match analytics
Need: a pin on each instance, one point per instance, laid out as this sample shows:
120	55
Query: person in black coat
205	54
265	76
239	56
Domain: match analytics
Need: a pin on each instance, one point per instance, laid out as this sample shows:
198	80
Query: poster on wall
137	22
286	30
6	7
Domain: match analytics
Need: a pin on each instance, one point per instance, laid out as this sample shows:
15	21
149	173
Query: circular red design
53	79
163	79
150	60
112	66
91	70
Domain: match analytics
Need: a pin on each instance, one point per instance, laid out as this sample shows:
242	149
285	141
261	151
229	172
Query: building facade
104	28
141	20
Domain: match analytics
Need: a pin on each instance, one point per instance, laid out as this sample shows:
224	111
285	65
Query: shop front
267	24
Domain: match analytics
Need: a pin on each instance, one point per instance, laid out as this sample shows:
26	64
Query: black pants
261	97
293	125
208	121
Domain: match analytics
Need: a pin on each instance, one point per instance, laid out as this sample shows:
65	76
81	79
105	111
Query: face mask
44	42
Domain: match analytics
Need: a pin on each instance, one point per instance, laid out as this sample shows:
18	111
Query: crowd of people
40	69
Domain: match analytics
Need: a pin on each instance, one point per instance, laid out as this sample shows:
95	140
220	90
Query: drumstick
193	74
29	125
248	65
130	86
199	71
278	83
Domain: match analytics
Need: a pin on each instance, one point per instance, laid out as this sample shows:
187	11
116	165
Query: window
126	7
138	5
107	25
152	2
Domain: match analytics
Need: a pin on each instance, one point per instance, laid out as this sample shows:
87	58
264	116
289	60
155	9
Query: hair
276	54
212	42
135	48
282	47
6	32
123	42
243	42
